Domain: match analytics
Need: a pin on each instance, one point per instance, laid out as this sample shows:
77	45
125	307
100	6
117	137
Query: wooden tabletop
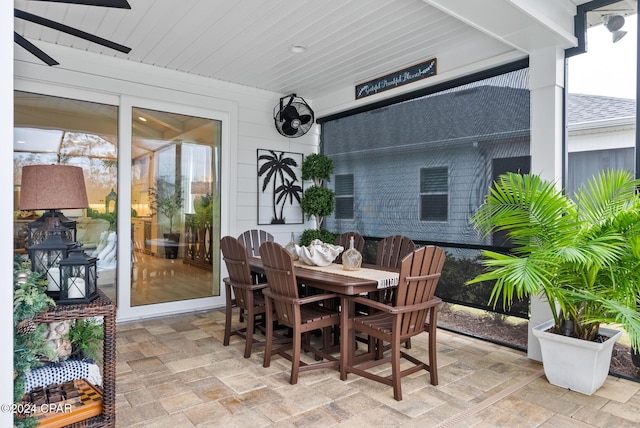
332	282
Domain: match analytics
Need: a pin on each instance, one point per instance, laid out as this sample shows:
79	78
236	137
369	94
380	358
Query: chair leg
395	370
326	339
379	348
228	315
433	363
295	360
269	335
249	333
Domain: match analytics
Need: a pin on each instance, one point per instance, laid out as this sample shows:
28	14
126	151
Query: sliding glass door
175	207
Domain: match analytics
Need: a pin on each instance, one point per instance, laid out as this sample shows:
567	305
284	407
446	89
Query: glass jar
351	258
291	247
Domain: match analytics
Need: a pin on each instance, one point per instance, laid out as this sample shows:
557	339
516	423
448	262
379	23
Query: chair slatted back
343	240
234	255
419	275
278	266
392	249
252	239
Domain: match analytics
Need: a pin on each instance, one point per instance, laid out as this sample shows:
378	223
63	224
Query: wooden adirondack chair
414	312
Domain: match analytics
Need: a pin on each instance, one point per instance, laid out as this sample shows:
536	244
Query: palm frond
583	255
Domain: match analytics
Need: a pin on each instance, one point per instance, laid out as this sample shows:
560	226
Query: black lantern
47	255
78	277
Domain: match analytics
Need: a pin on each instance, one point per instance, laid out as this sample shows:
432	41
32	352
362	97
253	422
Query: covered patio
174	372
229	64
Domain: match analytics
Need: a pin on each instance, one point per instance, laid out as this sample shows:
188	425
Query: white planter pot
579	365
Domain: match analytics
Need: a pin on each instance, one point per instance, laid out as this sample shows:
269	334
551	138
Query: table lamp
51	188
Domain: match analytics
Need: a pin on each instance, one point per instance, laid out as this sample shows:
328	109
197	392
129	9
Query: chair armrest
299	301
420	306
250	287
259	286
317	298
374	304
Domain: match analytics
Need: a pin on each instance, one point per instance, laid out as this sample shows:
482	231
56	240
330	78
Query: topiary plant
317	201
317	167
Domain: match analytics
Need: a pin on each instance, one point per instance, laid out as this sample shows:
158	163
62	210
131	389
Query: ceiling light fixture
297	49
614	23
142	119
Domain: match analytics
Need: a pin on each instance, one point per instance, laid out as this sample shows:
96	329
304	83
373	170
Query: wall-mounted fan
34	50
293	116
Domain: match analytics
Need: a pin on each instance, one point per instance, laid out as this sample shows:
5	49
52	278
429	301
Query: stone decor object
57	337
319	253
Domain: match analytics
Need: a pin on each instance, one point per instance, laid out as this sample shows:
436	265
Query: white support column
546	68
6	213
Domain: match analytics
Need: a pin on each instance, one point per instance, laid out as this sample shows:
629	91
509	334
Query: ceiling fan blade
120	4
69	30
34	50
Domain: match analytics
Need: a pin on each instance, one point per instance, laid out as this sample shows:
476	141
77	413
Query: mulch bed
513	332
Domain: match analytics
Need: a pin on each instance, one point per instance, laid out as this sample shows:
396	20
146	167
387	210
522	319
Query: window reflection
53	130
175	207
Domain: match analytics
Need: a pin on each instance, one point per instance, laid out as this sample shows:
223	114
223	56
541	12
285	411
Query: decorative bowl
319	253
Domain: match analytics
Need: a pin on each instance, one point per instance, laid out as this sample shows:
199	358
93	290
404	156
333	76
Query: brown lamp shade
52	187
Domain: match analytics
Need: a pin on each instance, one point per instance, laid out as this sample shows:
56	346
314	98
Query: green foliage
110	217
319	202
452	285
317	167
26	423
584	255
86	339
166	198
29	347
204	211
324	235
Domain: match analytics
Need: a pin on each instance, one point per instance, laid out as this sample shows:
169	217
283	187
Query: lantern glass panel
47	255
78	278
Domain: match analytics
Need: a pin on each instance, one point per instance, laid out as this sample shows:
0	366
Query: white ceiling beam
525	25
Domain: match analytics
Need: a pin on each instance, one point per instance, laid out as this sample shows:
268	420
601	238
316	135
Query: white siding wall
250	126
617	137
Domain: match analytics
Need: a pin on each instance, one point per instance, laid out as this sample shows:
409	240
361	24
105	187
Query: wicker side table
104	307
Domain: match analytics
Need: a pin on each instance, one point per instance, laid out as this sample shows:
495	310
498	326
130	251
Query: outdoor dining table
334	279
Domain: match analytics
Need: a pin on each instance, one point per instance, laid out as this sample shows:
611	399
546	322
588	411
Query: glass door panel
55	130
175	207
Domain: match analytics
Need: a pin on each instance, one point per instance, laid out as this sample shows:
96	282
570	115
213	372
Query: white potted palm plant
582	254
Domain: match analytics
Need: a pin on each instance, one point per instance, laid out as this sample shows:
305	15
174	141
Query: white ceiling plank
349	41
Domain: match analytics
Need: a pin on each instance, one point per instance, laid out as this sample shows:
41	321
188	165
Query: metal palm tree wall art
40	54
279	187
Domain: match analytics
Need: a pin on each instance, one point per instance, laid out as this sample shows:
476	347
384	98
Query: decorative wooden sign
396	79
